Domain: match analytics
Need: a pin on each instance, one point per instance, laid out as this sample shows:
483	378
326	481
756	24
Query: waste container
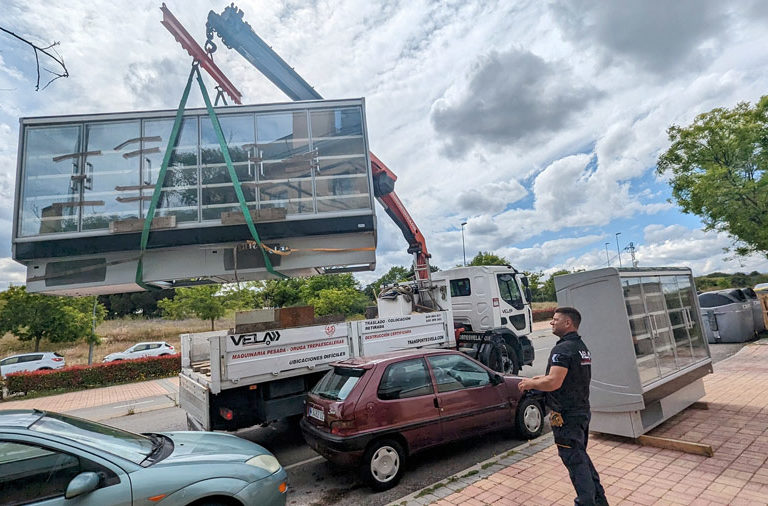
709	325
757	309
733	317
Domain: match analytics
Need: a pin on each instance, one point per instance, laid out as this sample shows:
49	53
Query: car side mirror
82	484
496	379
528	294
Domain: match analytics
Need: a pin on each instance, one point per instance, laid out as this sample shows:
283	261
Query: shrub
81	377
540	315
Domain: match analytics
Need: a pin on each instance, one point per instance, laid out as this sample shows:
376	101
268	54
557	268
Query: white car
31	362
142	350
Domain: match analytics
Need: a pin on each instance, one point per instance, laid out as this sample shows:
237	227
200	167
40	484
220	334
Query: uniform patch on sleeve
586	358
559	359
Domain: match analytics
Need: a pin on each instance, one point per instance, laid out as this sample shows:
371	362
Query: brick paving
735	425
97	396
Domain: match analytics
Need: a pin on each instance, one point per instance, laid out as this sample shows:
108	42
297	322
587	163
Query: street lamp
617	247
607	258
463	250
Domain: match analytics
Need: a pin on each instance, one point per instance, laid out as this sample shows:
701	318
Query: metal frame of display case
644	329
82	196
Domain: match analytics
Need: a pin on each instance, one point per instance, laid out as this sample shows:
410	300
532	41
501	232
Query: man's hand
525	384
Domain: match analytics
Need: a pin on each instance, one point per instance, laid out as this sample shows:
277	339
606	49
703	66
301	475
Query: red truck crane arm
238	35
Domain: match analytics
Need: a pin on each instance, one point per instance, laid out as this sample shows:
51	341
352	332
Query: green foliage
718	172
33	317
281	292
720	280
548	288
80	377
488	258
135	303
333	293
207	302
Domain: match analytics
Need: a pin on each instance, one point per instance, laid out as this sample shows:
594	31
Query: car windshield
128	445
337	384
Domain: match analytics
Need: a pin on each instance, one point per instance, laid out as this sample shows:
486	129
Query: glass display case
85	184
644	329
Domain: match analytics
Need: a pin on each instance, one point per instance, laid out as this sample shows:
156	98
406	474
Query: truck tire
383	464
514	360
529	418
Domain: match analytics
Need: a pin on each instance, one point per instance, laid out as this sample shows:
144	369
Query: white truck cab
492	303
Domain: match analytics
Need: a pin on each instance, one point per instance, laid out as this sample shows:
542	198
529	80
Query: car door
469	402
137	351
8	365
39	473
406	403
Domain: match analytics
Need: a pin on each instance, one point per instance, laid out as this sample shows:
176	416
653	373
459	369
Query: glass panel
342	146
338	193
639	324
664	346
49	194
401	380
678	320
282	135
182	173
295	195
338	122
110	191
699	347
238	132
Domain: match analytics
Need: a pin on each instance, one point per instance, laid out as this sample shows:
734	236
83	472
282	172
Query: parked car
761	288
374	412
141	350
51	458
31	362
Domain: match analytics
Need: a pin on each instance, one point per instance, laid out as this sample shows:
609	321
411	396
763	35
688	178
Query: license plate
316	413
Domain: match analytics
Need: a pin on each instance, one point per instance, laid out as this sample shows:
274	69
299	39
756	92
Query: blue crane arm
238	35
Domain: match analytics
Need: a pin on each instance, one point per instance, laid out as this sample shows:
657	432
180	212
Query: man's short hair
572	313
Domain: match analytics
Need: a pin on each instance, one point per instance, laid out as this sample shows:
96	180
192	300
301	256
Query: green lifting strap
233	176
164	167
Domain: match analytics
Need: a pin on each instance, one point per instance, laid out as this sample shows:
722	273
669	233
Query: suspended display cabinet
85	184
644	330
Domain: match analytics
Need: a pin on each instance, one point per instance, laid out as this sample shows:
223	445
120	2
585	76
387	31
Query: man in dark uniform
569	372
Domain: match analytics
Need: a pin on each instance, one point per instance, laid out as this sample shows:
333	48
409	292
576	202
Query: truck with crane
258	374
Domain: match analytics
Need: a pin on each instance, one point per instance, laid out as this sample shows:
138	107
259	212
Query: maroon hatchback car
373	412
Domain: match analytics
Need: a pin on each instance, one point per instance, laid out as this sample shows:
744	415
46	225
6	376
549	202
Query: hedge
81	377
543	314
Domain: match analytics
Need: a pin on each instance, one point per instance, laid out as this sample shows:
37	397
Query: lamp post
463	250
607	258
617	247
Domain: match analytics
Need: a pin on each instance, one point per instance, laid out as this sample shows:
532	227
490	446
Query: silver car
142	350
26	362
55	459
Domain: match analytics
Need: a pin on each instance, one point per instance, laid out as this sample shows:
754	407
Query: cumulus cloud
659	36
491	197
510	96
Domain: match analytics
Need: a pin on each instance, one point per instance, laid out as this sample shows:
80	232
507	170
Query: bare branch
55	57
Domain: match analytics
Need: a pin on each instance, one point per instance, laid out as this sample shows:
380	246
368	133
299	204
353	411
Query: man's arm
548	383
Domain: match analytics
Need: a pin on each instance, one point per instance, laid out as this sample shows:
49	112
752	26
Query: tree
34	317
718	172
488	258
207	302
548	289
333	293
281	292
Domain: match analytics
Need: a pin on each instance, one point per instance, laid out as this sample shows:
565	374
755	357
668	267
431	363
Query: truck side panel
194	399
383	335
263	356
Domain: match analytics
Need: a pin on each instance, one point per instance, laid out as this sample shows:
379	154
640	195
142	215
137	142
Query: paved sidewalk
735	425
97	397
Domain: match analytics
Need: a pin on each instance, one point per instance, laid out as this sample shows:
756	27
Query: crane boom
238	35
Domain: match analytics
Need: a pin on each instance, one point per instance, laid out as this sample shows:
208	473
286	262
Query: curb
470	475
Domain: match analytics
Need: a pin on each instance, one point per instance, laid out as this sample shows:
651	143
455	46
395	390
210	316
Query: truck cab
492	302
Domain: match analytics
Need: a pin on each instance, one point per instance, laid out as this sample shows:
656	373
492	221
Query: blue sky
537	122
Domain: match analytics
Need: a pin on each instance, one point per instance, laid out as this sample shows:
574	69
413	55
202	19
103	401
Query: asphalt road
314	481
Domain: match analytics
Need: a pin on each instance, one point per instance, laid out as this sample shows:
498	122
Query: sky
538	123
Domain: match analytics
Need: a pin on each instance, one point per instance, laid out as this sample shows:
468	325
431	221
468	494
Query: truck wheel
498	358
529	418
383	464
514	361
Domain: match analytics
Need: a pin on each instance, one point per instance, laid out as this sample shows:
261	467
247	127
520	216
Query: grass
543	305
116	335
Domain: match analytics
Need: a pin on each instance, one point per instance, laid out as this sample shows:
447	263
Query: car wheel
45	369
529	418
383	464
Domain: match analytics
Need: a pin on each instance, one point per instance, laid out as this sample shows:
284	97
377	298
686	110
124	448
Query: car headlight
266	462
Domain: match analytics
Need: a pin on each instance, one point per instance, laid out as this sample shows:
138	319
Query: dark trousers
571	441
